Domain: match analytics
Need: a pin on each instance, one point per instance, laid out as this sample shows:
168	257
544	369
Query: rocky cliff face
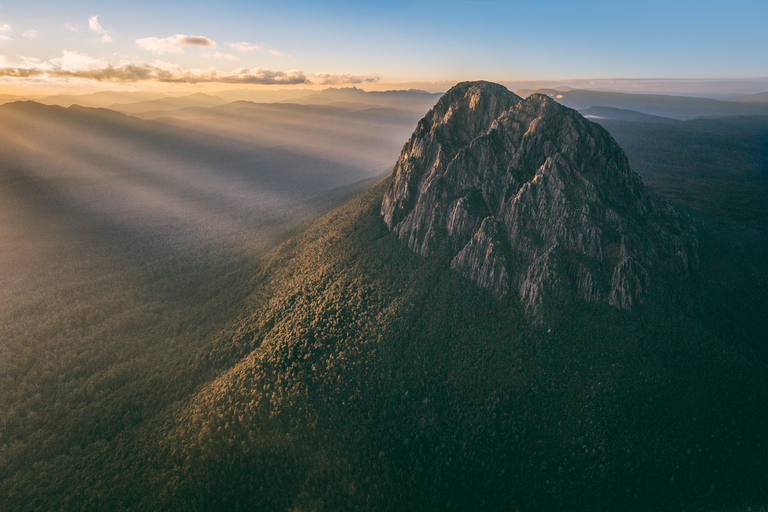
530	200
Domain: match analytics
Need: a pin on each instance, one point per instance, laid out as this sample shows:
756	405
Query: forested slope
365	378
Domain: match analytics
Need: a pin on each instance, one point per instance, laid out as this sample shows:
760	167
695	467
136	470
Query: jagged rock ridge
532	201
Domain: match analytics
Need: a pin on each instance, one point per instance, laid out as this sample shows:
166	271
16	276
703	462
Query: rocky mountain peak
462	114
532	201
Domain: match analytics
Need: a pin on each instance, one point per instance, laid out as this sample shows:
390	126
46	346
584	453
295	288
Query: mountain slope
168	103
717	165
366	378
760	97
125	246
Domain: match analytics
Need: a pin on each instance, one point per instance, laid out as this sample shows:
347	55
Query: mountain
530	200
168	103
145	101
100	99
263	95
411	99
7	98
760	97
363	377
356	374
675	107
619	114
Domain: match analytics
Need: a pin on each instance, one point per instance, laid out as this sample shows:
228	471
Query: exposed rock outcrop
532	201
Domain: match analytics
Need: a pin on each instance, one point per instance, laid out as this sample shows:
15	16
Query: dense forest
362	377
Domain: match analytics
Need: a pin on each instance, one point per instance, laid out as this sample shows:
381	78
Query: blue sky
376	43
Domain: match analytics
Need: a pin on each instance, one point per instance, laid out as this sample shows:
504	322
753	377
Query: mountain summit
532	201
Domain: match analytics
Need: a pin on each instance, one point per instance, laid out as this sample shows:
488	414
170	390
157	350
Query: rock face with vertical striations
532	201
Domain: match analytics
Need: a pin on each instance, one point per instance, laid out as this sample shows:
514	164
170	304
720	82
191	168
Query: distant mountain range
140	101
754	98
619	114
676	107
168	103
99	99
403	100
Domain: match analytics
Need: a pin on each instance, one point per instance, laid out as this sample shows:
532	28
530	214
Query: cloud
244	47
76	61
93	24
173	73
173	44
30	34
5	27
344	78
71	28
248	47
82	66
222	56
3	37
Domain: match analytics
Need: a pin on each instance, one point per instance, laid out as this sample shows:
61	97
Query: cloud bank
74	65
173	44
345	78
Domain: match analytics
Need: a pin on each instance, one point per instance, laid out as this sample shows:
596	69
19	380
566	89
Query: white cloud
221	56
5	27
95	26
244	47
3	37
165	72
248	47
71	28
344	78
75	65
30	34
75	62
173	44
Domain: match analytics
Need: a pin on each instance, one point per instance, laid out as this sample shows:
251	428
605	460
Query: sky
77	45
